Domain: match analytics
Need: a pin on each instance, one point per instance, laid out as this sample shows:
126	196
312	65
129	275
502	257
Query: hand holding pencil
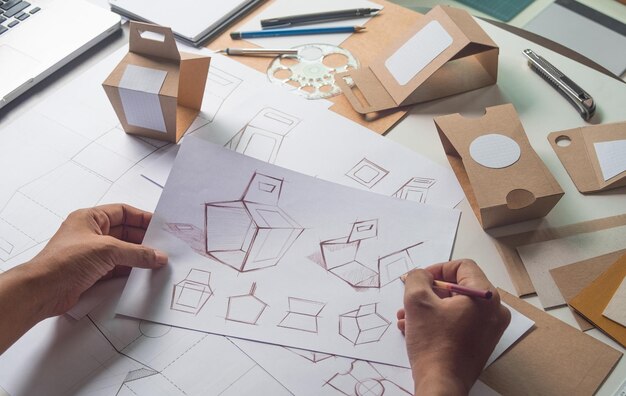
450	336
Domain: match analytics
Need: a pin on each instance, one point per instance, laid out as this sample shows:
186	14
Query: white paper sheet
540	258
418	52
285	8
616	308
612	157
298	254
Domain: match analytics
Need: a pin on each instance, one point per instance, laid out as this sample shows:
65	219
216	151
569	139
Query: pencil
467	291
295	32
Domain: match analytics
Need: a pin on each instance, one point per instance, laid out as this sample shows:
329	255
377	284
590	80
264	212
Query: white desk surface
541	110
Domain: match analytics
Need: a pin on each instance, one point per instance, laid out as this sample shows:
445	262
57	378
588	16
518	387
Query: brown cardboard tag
579	155
504	180
155	90
442	54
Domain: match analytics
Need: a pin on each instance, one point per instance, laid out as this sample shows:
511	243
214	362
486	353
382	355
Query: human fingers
124	215
133	255
128	234
418	288
464	272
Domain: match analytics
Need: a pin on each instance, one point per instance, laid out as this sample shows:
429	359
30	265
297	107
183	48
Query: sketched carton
363	325
190	294
253	232
155	90
444	53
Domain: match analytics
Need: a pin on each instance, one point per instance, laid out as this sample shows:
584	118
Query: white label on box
495	150
418	52
612	157
139	92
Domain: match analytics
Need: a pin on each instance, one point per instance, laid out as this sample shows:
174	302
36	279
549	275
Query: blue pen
295	32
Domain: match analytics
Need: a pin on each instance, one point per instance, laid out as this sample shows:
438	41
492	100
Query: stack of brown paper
507	246
590	302
573	278
504	180
443	54
155	90
552	359
575	148
381	33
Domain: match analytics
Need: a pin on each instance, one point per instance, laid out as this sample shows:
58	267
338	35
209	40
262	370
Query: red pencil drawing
245	308
302	315
262	137
363	325
416	189
367	173
192	293
364	380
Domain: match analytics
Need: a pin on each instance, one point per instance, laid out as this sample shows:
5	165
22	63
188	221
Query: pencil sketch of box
302	315
262	137
190	294
339	256
416	189
253	232
363	325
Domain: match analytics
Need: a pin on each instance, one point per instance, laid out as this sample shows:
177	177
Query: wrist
439	381
37	287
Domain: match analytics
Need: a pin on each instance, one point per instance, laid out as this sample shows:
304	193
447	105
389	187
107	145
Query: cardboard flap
152	47
372	94
579	155
194	70
439	37
472	30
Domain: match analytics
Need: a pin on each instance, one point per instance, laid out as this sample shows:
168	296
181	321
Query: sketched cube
338	252
302	315
262	136
190	294
339	258
363	325
251	233
416	189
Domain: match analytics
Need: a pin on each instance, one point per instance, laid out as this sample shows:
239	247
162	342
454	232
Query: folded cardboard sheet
504	180
551	359
442	54
593	299
594	156
507	246
155	90
573	278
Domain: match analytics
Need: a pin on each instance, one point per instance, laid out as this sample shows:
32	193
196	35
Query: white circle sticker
495	151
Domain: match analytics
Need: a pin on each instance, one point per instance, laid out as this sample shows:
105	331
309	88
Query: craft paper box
577	152
155	90
504	180
442	54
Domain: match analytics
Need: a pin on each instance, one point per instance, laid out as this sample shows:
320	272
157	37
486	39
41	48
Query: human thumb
140	256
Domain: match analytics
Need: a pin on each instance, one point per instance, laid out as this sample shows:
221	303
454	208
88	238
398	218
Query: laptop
193	22
37	37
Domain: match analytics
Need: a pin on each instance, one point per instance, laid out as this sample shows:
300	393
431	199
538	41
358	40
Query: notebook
193	22
39	37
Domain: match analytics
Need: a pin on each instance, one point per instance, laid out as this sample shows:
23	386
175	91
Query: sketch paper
540	258
282	8
418	52
328	146
309	251
612	157
616	309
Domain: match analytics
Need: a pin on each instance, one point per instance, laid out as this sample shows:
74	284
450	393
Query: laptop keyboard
14	12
